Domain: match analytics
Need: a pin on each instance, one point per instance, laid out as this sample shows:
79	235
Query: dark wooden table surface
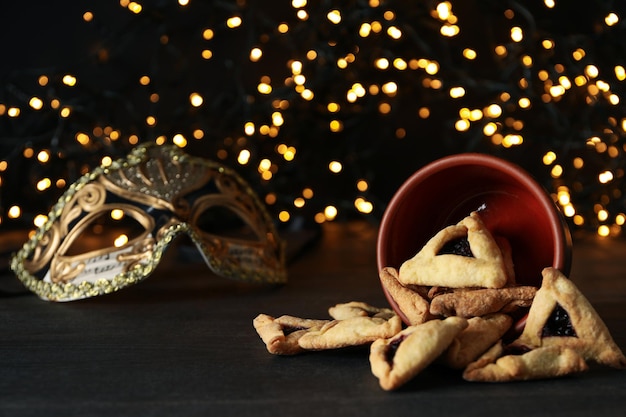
182	343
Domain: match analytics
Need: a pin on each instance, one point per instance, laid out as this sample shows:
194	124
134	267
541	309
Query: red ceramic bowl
513	204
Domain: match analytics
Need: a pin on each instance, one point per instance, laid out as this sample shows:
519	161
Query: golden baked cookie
414	307
479	265
352	331
562	316
507	256
480	334
540	363
358	309
281	334
398	359
478	302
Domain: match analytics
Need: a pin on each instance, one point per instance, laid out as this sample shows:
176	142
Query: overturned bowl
511	203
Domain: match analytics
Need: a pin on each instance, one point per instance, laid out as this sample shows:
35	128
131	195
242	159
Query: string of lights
327	107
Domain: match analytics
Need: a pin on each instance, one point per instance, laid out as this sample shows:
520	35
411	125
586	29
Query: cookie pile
460	300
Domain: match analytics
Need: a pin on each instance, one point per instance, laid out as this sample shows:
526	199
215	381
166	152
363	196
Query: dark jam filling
458	246
393	348
558	324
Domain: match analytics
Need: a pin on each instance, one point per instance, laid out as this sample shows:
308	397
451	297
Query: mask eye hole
224	222
110	228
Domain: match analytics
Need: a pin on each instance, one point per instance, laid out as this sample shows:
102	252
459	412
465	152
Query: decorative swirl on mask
87	199
44	250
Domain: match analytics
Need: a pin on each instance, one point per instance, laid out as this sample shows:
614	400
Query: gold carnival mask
157	193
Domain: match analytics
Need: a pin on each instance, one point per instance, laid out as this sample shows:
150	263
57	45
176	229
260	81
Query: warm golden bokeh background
325	107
